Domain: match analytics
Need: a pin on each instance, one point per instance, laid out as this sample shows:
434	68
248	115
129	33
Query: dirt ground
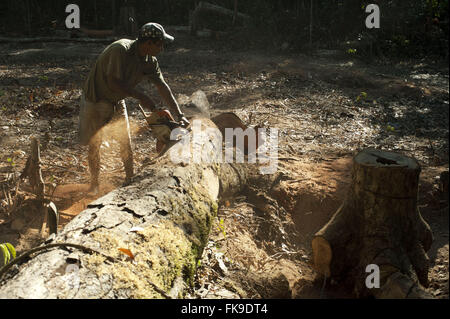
327	107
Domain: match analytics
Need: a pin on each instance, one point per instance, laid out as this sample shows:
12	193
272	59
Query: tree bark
139	241
378	223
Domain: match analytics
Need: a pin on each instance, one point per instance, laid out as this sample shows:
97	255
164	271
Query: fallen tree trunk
204	10
139	241
56	39
379	225
97	33
206	6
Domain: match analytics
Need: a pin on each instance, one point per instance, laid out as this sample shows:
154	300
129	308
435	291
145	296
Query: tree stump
378	223
32	170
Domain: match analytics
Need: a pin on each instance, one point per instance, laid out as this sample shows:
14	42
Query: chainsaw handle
142	110
169	121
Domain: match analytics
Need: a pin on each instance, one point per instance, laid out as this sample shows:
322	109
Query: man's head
152	38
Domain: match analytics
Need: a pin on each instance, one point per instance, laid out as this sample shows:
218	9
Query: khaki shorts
94	116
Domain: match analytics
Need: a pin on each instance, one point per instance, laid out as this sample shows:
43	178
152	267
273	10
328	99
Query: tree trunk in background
235	12
310	26
379	223
128	21
113	15
28	16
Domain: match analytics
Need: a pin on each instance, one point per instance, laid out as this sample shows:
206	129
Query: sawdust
74	198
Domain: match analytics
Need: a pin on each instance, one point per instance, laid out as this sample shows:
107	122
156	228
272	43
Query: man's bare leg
123	136
94	162
127	158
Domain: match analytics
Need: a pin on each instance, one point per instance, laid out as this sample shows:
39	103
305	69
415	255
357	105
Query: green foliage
361	96
221	227
10	161
8	252
390	128
437	8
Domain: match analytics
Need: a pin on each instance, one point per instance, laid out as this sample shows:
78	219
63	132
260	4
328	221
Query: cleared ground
326	108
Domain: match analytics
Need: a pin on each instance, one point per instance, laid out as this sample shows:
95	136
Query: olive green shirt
121	60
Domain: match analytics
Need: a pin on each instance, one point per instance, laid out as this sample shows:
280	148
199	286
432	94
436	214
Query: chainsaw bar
168	124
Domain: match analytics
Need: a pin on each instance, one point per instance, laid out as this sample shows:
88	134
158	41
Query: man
117	71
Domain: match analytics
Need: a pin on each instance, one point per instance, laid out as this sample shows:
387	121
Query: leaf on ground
127	252
8	251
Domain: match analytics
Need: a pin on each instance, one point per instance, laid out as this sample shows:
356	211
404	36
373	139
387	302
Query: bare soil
327	107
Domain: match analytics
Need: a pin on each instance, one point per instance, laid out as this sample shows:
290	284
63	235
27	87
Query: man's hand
184	121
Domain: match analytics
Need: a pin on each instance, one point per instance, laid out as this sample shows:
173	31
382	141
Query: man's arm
120	86
166	93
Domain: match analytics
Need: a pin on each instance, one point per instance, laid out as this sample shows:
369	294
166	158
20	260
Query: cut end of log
322	255
386	173
374	157
231	120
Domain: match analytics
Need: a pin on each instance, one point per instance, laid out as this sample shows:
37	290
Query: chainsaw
161	123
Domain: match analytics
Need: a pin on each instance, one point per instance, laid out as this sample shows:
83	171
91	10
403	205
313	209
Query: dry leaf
127	252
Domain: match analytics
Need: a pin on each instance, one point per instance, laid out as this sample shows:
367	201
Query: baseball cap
154	30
